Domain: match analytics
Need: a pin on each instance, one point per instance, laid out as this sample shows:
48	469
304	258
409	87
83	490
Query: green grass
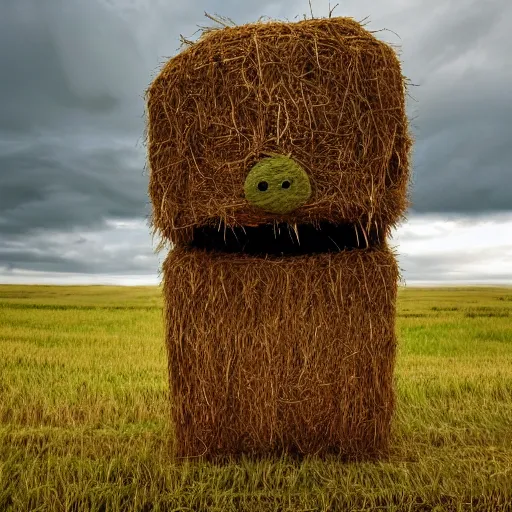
84	412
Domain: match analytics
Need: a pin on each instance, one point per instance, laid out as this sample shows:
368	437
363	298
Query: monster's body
293	354
280	308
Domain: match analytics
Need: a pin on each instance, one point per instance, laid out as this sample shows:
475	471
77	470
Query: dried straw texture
324	91
273	355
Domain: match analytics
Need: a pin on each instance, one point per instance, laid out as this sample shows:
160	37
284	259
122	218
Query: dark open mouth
286	239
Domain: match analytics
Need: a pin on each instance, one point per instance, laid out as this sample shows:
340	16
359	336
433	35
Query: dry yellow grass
84	413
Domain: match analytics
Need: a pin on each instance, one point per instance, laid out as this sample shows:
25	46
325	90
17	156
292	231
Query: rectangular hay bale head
324	92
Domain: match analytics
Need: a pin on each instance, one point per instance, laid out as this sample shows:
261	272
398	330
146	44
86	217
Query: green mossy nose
277	185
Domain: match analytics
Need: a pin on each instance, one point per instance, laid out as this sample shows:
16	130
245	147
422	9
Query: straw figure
279	161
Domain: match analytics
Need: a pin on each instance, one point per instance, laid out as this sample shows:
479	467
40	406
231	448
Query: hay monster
278	158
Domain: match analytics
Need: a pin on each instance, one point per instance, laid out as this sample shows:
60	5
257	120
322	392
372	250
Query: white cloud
431	250
434	249
62	278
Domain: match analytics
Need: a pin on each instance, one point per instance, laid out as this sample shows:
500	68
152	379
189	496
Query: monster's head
279	138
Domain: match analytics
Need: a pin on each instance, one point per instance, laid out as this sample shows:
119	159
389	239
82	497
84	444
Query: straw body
274	355
267	353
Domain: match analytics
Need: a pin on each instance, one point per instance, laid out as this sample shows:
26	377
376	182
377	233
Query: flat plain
84	412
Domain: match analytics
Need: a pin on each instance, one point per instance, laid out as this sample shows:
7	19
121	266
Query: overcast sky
73	190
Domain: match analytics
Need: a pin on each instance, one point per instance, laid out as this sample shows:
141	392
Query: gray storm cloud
73	76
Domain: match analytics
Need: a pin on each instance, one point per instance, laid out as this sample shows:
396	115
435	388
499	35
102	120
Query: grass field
84	412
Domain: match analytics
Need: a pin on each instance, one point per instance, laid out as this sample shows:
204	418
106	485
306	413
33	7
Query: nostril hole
262	186
285	184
